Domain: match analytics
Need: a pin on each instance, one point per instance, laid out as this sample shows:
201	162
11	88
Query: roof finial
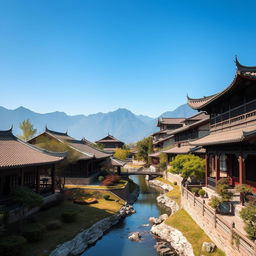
66	132
46	129
11	128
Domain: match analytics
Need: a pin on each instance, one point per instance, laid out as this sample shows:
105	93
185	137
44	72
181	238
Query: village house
25	165
110	143
231	144
89	160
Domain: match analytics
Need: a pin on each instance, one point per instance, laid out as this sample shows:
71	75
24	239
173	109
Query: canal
116	243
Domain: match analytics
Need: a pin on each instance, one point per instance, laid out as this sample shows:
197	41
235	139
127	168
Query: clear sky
88	56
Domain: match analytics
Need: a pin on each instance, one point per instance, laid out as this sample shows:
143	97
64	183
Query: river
116	243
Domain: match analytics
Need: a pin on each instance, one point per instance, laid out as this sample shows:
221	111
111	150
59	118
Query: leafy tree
144	147
28	130
122	153
248	214
99	146
163	159
188	166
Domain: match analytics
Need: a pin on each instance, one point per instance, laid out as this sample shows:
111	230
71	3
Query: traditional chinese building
163	138
110	143
231	144
88	159
195	127
22	164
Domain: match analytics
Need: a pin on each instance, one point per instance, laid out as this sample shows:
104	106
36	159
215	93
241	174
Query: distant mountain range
122	123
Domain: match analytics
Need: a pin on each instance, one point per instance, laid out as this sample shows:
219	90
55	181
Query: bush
215	202
195	191
69	216
175	183
34	232
222	189
201	192
106	197
248	214
251	200
223	181
12	245
53	224
242	188
100	178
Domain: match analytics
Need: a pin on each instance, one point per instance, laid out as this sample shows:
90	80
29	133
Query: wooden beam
206	169
53	178
217	167
241	169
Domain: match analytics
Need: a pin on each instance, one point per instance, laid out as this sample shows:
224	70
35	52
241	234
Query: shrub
222	189
242	188
69	216
175	183
251	200
12	245
106	197
100	178
248	214
223	181
53	224
201	192
195	191
34	232
215	202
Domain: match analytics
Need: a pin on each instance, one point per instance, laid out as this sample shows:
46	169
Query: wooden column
37	180
21	177
217	167
53	178
206	169
241	161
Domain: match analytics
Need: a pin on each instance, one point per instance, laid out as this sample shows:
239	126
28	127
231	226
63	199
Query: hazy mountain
181	111
121	123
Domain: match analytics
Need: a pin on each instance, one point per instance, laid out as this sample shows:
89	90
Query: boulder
135	237
168	202
208	247
164	249
161	184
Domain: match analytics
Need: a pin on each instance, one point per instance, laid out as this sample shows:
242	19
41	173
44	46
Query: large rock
168	202
135	237
208	247
175	238
165	249
160	219
161	184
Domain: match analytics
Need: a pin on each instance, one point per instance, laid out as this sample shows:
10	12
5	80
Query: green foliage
201	192
34	232
99	146
195	191
69	216
215	202
222	189
28	130
188	166
248	214
27	198
53	224
100	178
243	188
106	197
12	245
163	159
122	153
144	148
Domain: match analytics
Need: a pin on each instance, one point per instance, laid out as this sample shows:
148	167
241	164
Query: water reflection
116	243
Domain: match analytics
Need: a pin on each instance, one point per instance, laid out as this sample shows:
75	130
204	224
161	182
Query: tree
188	166
144	147
121	153
163	159
28	130
248	214
99	146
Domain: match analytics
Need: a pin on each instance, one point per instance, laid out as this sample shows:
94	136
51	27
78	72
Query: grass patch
174	193
182	221
86	217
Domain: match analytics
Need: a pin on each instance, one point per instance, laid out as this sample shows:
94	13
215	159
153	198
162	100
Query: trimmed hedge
69	216
34	232
12	245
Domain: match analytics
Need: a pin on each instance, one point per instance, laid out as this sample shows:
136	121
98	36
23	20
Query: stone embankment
160	184
81	241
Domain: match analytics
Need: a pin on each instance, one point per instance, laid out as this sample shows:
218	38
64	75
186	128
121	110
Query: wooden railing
240	119
238	240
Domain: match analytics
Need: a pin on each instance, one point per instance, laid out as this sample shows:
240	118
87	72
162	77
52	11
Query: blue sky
92	56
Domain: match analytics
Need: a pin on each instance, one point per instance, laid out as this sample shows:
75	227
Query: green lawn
174	193
87	216
182	221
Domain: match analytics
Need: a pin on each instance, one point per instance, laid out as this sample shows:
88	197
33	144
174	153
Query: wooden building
22	164
110	143
89	160
231	144
195	127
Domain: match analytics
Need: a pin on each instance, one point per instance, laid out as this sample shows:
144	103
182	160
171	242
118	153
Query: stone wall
173	177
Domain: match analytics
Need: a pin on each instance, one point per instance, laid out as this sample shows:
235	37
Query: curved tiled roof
242	71
109	138
17	153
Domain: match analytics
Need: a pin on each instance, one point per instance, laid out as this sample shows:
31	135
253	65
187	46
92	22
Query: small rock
135	237
208	247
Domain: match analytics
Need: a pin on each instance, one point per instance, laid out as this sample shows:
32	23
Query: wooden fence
237	240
